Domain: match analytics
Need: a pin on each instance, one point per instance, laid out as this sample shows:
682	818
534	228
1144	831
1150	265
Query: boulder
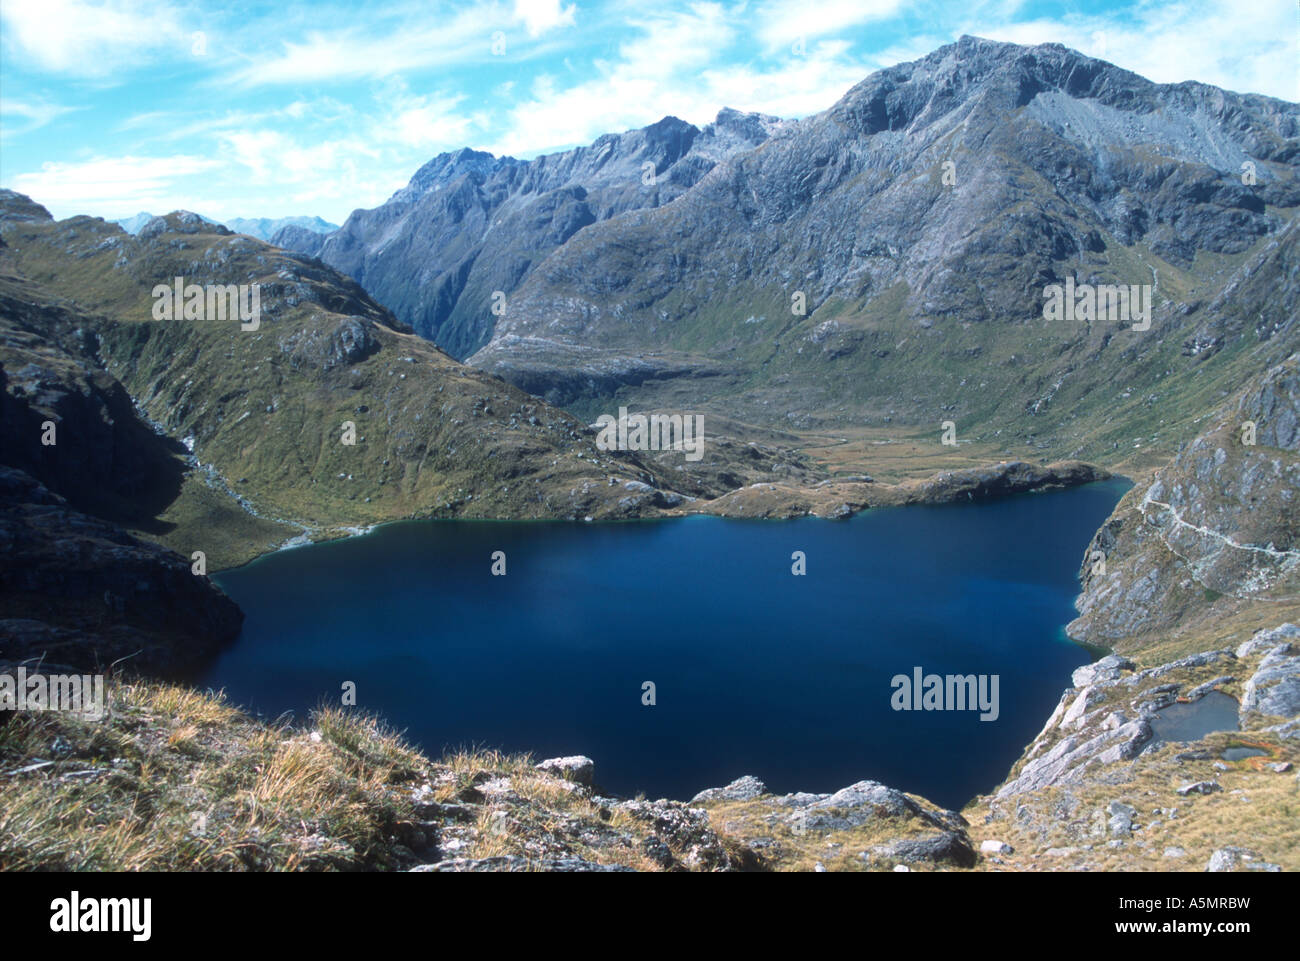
1121	818
577	768
946	848
744	788
1108	668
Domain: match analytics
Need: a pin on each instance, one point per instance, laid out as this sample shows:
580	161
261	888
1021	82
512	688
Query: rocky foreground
1098	789
175	779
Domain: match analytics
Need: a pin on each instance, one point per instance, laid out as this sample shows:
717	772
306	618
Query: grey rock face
298	239
320	348
1215	528
860	803
1070	758
1109	668
180	222
19	208
1275	407
469	224
1059	156
849	206
683	829
1274	689
1267	639
1109	719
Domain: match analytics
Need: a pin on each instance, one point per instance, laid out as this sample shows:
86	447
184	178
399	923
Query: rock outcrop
79	591
1210	534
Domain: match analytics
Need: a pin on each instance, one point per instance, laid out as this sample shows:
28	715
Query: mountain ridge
263	228
1062	166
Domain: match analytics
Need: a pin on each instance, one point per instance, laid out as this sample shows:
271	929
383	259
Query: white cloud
1219	42
31	115
426	122
106	184
90	39
407	39
540	16
783	22
653	76
677	67
332	159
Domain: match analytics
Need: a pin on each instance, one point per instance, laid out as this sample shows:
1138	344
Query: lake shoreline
419	593
832	499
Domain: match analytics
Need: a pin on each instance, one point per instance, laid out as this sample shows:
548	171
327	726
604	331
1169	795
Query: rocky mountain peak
447	167
181	222
19	208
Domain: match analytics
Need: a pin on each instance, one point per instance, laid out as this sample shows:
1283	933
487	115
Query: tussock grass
177	779
1257	809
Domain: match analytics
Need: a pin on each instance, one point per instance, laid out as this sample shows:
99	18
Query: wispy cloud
783	23
641	84
132	183
628	90
405	40
86	39
29	114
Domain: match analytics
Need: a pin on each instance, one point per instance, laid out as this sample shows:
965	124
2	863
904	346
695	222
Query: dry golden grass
1258	809
175	779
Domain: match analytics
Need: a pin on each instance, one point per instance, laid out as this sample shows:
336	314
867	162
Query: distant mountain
263	228
920	218
297	238
469	224
133	225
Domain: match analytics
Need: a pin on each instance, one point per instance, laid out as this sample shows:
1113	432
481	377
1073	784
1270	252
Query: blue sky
250	109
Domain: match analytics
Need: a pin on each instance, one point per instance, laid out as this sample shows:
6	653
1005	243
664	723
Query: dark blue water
757	671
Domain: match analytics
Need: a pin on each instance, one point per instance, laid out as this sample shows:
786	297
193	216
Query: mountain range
918	220
835	295
263	228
